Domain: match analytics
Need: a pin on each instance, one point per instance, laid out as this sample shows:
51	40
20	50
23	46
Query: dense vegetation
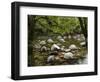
42	28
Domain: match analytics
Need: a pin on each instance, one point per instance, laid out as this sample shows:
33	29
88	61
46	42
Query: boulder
55	47
50	58
43	48
57	58
50	40
73	47
81	38
78	35
61	55
68	55
69	37
67	50
59	44
59	37
83	43
74	37
65	37
43	42
37	46
61	40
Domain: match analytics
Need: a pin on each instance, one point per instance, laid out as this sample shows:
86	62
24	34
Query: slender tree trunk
83	24
31	25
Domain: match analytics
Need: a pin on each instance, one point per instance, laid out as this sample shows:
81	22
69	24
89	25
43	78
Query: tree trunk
83	24
31	25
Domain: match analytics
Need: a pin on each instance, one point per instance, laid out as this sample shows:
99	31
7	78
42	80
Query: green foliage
56	24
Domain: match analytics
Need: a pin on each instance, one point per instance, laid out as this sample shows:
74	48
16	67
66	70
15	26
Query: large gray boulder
55	47
50	58
73	47
68	55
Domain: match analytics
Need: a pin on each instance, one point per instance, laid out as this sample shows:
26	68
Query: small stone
37	46
78	55
81	38
43	42
67	50
73	51
78	35
63	48
59	37
59	44
69	36
73	47
61	40
57	58
61	55
83	43
44	48
65	37
75	37
50	41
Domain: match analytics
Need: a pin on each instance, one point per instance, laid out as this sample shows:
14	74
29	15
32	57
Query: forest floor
39	58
